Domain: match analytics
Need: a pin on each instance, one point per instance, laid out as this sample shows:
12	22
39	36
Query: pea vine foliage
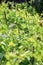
21	37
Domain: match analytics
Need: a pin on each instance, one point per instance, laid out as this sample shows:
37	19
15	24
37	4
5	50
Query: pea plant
21	36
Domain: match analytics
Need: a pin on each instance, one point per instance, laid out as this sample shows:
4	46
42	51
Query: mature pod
5	17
